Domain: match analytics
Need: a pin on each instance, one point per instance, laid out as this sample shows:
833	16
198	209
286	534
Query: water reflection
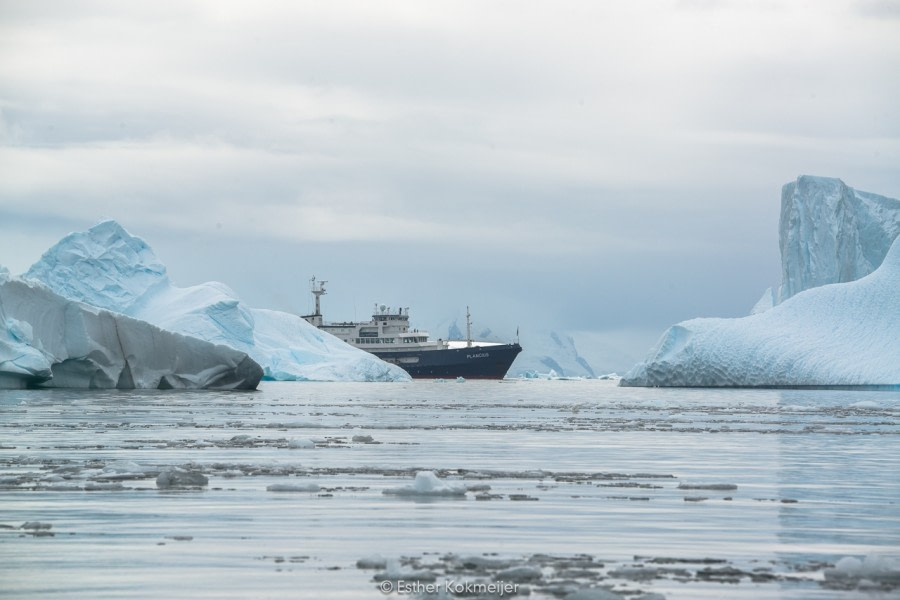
841	470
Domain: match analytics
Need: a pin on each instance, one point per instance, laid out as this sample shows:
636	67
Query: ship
389	337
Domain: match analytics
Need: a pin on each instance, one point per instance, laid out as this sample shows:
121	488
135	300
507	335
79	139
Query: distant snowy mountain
109	268
51	341
835	319
453	333
543	352
830	233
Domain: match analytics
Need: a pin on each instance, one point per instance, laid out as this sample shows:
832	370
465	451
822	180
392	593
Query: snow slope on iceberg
838	334
831	233
109	268
52	341
294	349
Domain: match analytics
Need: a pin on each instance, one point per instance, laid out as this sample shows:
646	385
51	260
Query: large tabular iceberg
50	341
831	335
109	268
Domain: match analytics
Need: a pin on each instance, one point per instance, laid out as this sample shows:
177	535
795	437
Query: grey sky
602	167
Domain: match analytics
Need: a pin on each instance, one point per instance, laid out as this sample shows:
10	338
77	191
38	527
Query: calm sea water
573	485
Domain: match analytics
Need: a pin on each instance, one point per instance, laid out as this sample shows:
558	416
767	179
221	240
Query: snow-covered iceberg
830	233
550	352
50	341
108	267
838	334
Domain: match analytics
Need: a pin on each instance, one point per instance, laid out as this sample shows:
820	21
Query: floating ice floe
708	486
519	574
481	562
110	486
301	443
293	487
873	571
394	571
124	470
552	375
581	577
427	484
376	561
176	477
594	594
866	404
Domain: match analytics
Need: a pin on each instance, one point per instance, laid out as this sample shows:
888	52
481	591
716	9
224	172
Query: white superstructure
388	330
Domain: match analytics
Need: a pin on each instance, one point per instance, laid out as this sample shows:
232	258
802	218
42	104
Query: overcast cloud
606	168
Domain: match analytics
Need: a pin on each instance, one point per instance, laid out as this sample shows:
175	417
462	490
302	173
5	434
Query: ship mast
468	328
317	291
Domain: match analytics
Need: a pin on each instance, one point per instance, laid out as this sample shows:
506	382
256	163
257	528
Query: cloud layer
585	165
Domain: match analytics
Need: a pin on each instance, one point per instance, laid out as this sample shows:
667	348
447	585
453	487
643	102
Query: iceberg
830	233
109	268
21	363
545	353
551	354
832	335
51	341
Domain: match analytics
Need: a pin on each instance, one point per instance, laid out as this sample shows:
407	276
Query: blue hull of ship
477	362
